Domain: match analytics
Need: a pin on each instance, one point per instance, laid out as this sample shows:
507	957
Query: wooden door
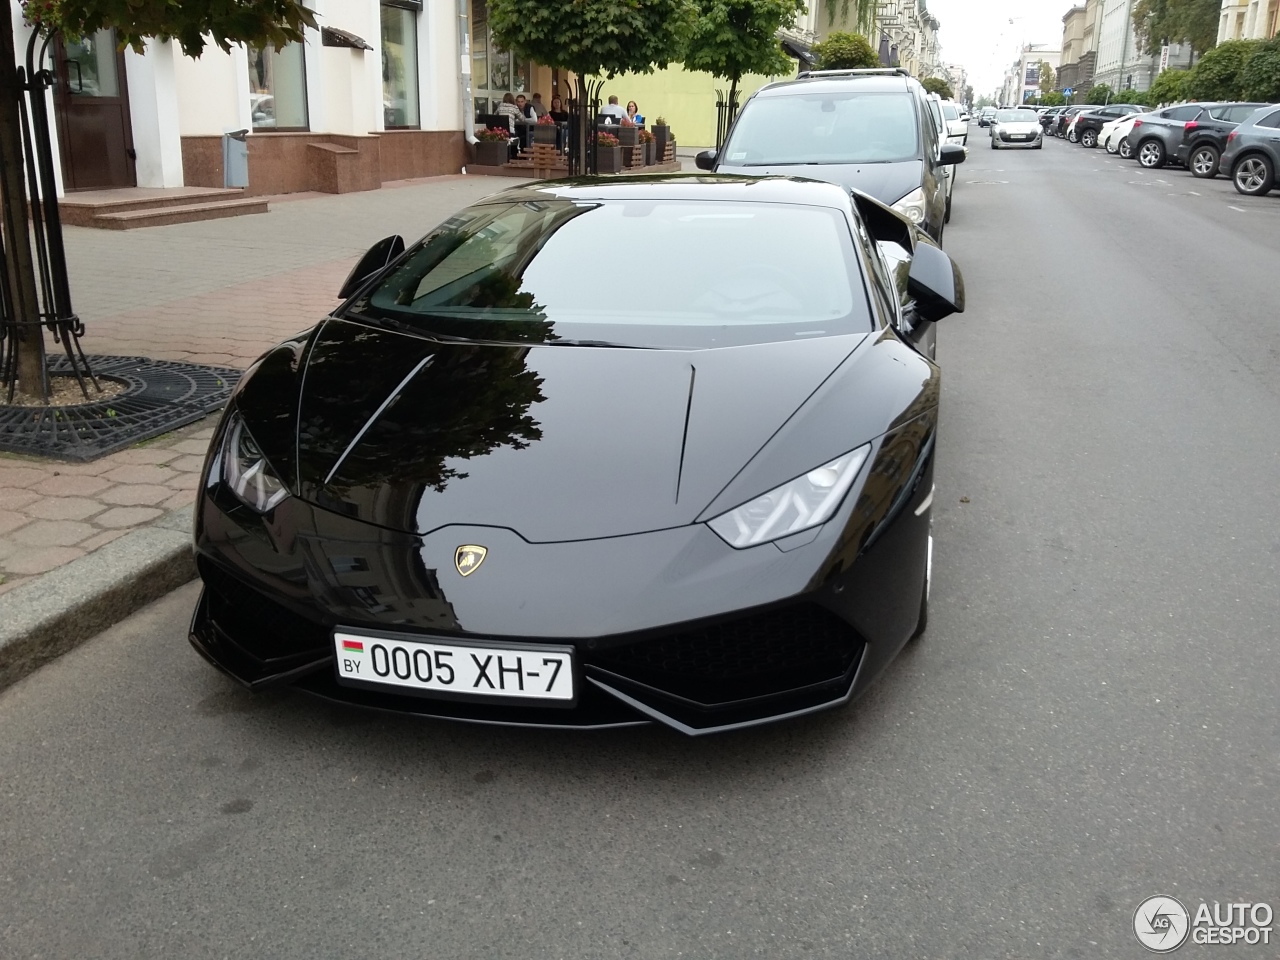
91	108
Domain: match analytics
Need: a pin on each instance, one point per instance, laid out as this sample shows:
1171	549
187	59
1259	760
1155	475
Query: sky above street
979	35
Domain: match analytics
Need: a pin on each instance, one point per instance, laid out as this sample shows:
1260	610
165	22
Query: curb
42	620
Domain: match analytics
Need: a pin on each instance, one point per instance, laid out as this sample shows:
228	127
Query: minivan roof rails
859	72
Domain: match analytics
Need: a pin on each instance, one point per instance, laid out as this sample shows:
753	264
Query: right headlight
796	505
246	471
912	205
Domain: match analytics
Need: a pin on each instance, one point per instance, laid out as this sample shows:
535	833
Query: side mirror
953	153
935	284
375	261
706	160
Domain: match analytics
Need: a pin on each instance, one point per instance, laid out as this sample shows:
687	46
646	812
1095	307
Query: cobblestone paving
218	292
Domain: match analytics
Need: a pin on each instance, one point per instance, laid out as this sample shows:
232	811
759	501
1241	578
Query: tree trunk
18	260
733	99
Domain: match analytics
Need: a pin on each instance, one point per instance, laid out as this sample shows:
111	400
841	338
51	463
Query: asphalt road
1091	719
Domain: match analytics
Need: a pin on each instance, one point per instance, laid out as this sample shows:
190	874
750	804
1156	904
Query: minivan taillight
1137	123
1232	135
1191	125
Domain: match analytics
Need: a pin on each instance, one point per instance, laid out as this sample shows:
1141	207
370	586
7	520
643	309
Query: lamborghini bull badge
468	557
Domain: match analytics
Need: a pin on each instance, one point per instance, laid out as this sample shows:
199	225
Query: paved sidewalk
217	292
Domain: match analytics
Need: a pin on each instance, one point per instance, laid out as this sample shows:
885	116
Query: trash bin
235	158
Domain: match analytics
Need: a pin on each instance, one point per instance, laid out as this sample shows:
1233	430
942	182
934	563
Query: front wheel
1204	162
993	144
1254	176
1071	136
1151	154
1089	139
1125	149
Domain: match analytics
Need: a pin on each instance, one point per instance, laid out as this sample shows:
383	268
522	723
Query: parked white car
957	126
1114	136
1016	128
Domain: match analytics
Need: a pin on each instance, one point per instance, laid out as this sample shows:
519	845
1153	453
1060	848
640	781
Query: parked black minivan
865	129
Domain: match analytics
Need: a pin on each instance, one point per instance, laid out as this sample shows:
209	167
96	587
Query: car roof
691	186
820	83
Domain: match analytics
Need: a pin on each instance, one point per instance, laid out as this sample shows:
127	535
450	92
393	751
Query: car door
933	178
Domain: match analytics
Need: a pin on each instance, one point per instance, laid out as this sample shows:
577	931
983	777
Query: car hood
553	442
887	182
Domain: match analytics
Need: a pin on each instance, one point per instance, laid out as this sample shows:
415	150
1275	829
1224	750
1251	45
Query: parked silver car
1017	128
1155	136
1253	152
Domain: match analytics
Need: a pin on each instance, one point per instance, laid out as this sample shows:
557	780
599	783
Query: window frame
414	7
271	92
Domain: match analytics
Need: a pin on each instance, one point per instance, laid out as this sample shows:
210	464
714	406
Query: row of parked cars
1239	139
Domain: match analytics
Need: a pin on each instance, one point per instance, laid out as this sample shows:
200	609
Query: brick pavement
218	292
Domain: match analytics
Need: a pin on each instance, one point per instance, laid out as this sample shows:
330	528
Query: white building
1249	20
904	32
1121	64
374	95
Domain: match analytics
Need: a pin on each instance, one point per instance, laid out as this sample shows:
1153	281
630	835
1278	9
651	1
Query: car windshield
645	273
825	128
950	112
1017	116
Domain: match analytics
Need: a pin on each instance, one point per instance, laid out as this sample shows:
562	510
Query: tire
1203	162
993	144
922	621
1150	154
1111	147
1254	175
1089	139
1125	149
1038	146
1071	136
946	217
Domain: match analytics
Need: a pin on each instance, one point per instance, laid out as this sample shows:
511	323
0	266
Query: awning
333	37
799	50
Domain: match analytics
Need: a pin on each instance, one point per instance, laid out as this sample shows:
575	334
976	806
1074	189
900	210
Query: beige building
1249	20
904	32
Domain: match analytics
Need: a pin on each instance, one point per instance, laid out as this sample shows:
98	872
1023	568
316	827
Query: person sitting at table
633	113
526	109
558	113
612	109
539	108
507	108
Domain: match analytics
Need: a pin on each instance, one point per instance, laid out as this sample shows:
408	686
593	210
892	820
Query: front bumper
716	639
1031	140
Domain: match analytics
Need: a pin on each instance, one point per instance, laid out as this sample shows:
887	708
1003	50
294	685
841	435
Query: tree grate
160	396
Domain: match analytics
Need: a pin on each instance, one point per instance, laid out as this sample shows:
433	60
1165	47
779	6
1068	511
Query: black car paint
361	555
1211	129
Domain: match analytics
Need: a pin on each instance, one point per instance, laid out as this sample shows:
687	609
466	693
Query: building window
278	87
399	65
493	71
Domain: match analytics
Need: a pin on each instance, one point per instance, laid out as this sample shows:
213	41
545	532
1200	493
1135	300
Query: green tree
735	37
939	86
967	94
1218	74
191	24
593	38
1047	78
845	51
1100	93
864	13
1260	77
1054	98
1169	87
1195	22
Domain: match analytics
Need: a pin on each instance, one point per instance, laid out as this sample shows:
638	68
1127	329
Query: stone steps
130	209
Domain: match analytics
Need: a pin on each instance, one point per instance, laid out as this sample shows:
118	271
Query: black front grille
763	654
263	628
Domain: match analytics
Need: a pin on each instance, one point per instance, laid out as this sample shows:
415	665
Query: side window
883	299
1187	112
1273	120
1238	113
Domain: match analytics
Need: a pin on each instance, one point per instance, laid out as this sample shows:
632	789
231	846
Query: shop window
400	65
278	87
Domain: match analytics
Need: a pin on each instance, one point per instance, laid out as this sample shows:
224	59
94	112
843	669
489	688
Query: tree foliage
1100	93
593	37
1169	87
845	51
226	22
1047	77
731	38
1218	74
939	86
1054	98
1157	22
1260	78
864	13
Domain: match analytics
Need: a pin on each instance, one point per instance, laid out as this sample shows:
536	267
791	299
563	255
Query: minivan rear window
825	128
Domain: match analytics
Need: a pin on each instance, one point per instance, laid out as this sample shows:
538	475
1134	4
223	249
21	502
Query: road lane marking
1192	193
1237	209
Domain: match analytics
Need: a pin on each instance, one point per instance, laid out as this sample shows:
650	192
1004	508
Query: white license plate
460	671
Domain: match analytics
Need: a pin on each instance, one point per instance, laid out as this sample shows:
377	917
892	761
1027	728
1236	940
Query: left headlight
802	503
246	471
912	205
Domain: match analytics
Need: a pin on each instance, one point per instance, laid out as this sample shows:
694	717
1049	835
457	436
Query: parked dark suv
1205	137
1155	137
1089	124
1253	152
1063	119
869	129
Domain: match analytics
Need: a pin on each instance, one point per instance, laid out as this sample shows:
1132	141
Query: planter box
660	135
610	160
649	153
492	153
628	136
544	133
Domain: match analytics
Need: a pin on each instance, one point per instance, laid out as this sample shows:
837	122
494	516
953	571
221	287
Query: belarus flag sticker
353	646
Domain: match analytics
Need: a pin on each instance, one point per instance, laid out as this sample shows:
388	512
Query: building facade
1249	20
1121	63
904	32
